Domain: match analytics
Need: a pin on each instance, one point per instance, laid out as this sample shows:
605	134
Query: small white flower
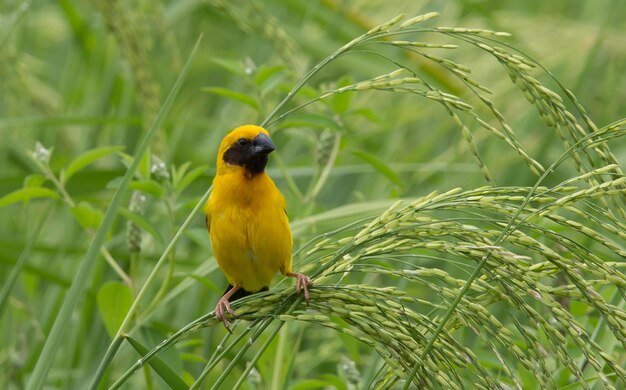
41	153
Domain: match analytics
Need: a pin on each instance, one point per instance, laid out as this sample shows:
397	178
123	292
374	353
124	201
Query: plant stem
278	359
232	364
509	228
110	353
141	149
71	203
321	180
256	357
116	267
21	261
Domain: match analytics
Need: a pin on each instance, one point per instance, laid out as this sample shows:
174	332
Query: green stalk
113	210
261	350
256	357
146	315
237	357
13	21
45	168
132	273
268	120
82	276
170	205
192	326
372	34
605	340
148	377
278	360
323	177
214	360
305	79
187	329
116	267
215	357
21	261
108	357
503	235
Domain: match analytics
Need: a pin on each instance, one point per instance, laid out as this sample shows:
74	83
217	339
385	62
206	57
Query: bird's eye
242	141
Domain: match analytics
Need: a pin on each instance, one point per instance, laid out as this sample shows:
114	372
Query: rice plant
513	280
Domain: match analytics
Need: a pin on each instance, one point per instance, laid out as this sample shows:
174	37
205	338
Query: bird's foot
223	307
302	284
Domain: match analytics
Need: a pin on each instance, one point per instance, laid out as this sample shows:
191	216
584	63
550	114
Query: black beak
262	145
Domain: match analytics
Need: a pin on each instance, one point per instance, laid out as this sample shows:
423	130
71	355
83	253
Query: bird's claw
302	283
222	307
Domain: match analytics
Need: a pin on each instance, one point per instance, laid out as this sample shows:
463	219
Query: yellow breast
249	229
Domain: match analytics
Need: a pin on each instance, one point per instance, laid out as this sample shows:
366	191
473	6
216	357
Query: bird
247	220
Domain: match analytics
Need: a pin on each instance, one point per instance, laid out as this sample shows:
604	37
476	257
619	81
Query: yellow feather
248	226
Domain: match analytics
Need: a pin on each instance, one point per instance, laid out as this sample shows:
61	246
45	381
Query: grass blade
19	265
51	346
160	367
112	349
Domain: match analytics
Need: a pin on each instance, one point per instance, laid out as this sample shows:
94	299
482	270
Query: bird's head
246	147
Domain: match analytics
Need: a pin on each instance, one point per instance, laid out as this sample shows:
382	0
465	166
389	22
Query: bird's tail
242	293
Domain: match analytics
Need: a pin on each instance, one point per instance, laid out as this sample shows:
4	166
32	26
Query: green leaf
160	367
142	222
35	180
238	96
26	194
87	158
84	274
179	173
145	165
380	166
155	334
266	72
143	172
114	301
114	183
190	379
268	78
147	186
87	216
233	66
190	177
368	114
127	159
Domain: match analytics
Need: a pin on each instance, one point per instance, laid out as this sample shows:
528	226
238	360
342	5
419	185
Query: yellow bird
246	219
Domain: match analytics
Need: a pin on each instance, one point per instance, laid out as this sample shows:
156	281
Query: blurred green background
80	76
